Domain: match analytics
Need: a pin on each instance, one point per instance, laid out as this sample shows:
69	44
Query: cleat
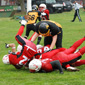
72	69
72	20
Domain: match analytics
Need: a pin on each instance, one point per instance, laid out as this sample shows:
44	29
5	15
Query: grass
72	31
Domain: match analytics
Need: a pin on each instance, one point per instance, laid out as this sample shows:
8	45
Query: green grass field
72	31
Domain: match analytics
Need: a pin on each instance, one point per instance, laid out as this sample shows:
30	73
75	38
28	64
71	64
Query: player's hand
9	52
43	14
6	45
23	22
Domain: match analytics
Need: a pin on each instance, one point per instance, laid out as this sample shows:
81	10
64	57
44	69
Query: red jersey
28	51
46	16
22	57
46	66
43	49
52	53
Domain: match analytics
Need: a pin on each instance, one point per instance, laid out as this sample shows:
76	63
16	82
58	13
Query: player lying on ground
12	59
18	59
41	49
50	60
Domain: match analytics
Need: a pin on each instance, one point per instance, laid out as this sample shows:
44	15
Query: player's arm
56	64
34	37
12	45
47	14
53	41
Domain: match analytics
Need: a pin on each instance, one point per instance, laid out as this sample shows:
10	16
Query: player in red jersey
69	67
18	59
44	12
61	56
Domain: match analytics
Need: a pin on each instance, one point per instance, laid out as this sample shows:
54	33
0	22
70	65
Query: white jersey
77	6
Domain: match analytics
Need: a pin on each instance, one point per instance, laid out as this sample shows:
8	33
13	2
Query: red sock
20	31
78	43
67	66
82	50
79	63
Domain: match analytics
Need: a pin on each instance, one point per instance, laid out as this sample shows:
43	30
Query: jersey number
25	59
43	50
31	17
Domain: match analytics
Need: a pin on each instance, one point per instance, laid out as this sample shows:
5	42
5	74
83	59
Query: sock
39	39
79	63
67	66
78	43
82	50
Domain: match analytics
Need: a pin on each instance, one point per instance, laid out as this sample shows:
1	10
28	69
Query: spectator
77	7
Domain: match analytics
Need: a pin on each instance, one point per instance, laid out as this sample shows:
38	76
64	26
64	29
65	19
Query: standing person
32	17
52	32
77	7
44	16
44	12
62	56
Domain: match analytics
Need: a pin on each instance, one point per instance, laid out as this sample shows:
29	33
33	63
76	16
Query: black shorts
29	27
48	40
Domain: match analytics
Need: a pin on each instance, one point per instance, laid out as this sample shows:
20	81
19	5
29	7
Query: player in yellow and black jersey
32	17
52	32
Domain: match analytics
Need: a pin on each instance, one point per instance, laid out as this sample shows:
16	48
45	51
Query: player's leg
29	27
82	50
59	40
71	58
20	31
20	40
78	63
47	40
70	68
78	15
75	46
74	16
39	39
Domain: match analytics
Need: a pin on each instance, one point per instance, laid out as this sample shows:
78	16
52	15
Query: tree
83	4
22	4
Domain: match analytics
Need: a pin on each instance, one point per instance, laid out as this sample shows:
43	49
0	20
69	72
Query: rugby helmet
39	46
43	29
43	5
35	65
34	7
6	59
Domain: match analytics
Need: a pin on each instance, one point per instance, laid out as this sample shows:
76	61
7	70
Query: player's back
32	16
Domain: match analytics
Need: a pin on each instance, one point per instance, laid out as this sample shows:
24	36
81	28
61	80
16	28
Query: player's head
35	65
34	7
44	29
5	59
42	7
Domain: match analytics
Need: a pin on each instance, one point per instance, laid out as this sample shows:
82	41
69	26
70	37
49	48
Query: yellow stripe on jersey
54	23
32	17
